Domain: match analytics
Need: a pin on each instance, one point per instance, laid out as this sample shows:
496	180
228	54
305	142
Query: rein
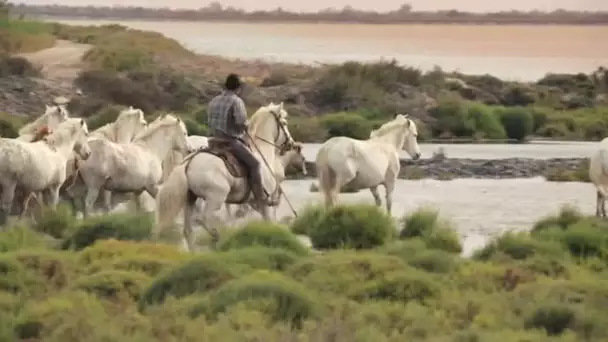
279	189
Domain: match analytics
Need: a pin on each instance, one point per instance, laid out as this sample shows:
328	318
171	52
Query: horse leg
187	230
106	196
598	203
242	210
389	188
374	191
8	193
603	205
25	207
90	199
211	220
229	211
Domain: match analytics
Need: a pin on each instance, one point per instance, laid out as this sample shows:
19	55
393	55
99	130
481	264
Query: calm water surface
511	52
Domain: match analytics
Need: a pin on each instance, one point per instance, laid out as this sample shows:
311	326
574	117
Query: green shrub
518	246
518	122
403	286
289	300
114	226
259	257
414	252
451	117
350	125
58	223
352	226
114	284
195	276
12	275
336	272
307	129
261	233
419	223
58	318
45	271
435	232
585	239
118	58
18	237
486	123
145	257
306	218
567	216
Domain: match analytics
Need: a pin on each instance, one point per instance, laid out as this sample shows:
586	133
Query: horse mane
260	116
42	133
398	122
32	126
159	123
63	132
105	130
108	130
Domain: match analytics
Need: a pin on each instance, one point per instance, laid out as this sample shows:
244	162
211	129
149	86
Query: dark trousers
244	154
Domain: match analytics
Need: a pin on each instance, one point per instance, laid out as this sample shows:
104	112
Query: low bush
114	226
546	286
265	234
114	284
306	218
436	233
352	226
334	272
197	275
282	298
519	246
58	223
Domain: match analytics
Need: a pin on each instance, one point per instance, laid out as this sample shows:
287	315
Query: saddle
221	148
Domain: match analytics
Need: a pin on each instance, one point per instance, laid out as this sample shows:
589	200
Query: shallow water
479	208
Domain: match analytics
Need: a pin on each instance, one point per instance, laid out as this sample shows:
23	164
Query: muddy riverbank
474	168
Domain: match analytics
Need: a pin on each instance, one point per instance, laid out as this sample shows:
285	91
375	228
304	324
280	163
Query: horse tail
327	177
171	198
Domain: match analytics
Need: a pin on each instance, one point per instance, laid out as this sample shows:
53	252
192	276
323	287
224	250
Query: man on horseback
227	121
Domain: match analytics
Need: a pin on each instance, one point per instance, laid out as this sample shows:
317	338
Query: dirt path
61	63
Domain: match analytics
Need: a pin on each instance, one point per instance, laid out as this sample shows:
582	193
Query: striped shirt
226	115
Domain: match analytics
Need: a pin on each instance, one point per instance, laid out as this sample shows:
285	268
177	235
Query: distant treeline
404	15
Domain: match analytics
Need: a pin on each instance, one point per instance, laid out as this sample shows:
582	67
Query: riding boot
255	181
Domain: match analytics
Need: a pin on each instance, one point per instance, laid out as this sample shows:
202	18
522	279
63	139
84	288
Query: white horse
598	173
292	157
366	164
174	158
37	129
52	117
40	166
132	167
128	124
207	176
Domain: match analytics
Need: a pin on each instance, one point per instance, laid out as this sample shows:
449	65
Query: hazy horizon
379	5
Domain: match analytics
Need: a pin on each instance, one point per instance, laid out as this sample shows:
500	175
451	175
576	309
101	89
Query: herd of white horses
55	158
160	160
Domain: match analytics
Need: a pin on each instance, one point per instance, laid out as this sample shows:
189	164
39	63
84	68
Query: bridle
285	146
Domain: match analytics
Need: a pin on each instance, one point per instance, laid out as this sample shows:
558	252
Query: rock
472	168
